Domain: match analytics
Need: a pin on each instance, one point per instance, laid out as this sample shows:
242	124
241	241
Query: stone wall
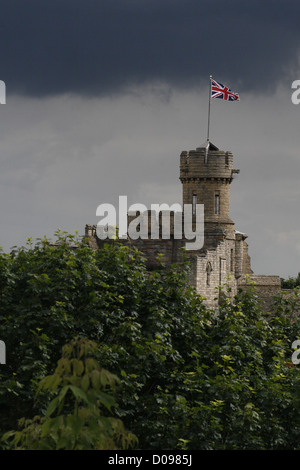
214	268
266	287
169	250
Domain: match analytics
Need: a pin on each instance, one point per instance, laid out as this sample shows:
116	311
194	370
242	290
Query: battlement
202	165
152	225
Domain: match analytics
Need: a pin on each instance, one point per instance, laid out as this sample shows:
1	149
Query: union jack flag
223	92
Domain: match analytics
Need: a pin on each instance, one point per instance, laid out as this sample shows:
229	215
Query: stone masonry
206	174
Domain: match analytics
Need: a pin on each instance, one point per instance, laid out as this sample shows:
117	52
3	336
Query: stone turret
206	174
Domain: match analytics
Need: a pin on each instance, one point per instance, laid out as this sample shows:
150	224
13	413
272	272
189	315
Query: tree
245	395
190	377
80	387
291	282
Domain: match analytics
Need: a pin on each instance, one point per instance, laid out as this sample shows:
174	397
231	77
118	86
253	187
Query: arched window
208	271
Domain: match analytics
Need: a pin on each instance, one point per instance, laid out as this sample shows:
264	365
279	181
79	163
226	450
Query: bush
79	386
190	377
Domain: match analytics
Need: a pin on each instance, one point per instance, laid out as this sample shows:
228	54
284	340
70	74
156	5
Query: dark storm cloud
95	47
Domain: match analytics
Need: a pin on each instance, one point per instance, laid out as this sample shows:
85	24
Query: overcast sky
103	95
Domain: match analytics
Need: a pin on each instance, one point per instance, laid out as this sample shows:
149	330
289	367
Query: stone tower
206	174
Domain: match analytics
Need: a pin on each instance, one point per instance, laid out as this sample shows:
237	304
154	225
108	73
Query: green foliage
78	384
245	395
190	378
291	282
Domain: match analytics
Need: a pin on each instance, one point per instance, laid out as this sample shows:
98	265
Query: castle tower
206	174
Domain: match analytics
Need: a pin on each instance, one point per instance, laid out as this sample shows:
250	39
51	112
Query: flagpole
208	122
209	103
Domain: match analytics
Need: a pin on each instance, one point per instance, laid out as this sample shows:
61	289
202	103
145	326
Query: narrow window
194	203
231	260
217	204
208	271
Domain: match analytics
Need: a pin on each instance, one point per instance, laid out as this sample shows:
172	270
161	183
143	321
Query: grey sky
102	97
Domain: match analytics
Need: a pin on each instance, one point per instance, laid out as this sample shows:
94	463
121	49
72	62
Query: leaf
78	393
85	382
78	367
95	379
52	407
6	436
76	423
107	400
46	427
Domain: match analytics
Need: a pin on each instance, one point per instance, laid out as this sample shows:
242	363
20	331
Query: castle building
206	175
